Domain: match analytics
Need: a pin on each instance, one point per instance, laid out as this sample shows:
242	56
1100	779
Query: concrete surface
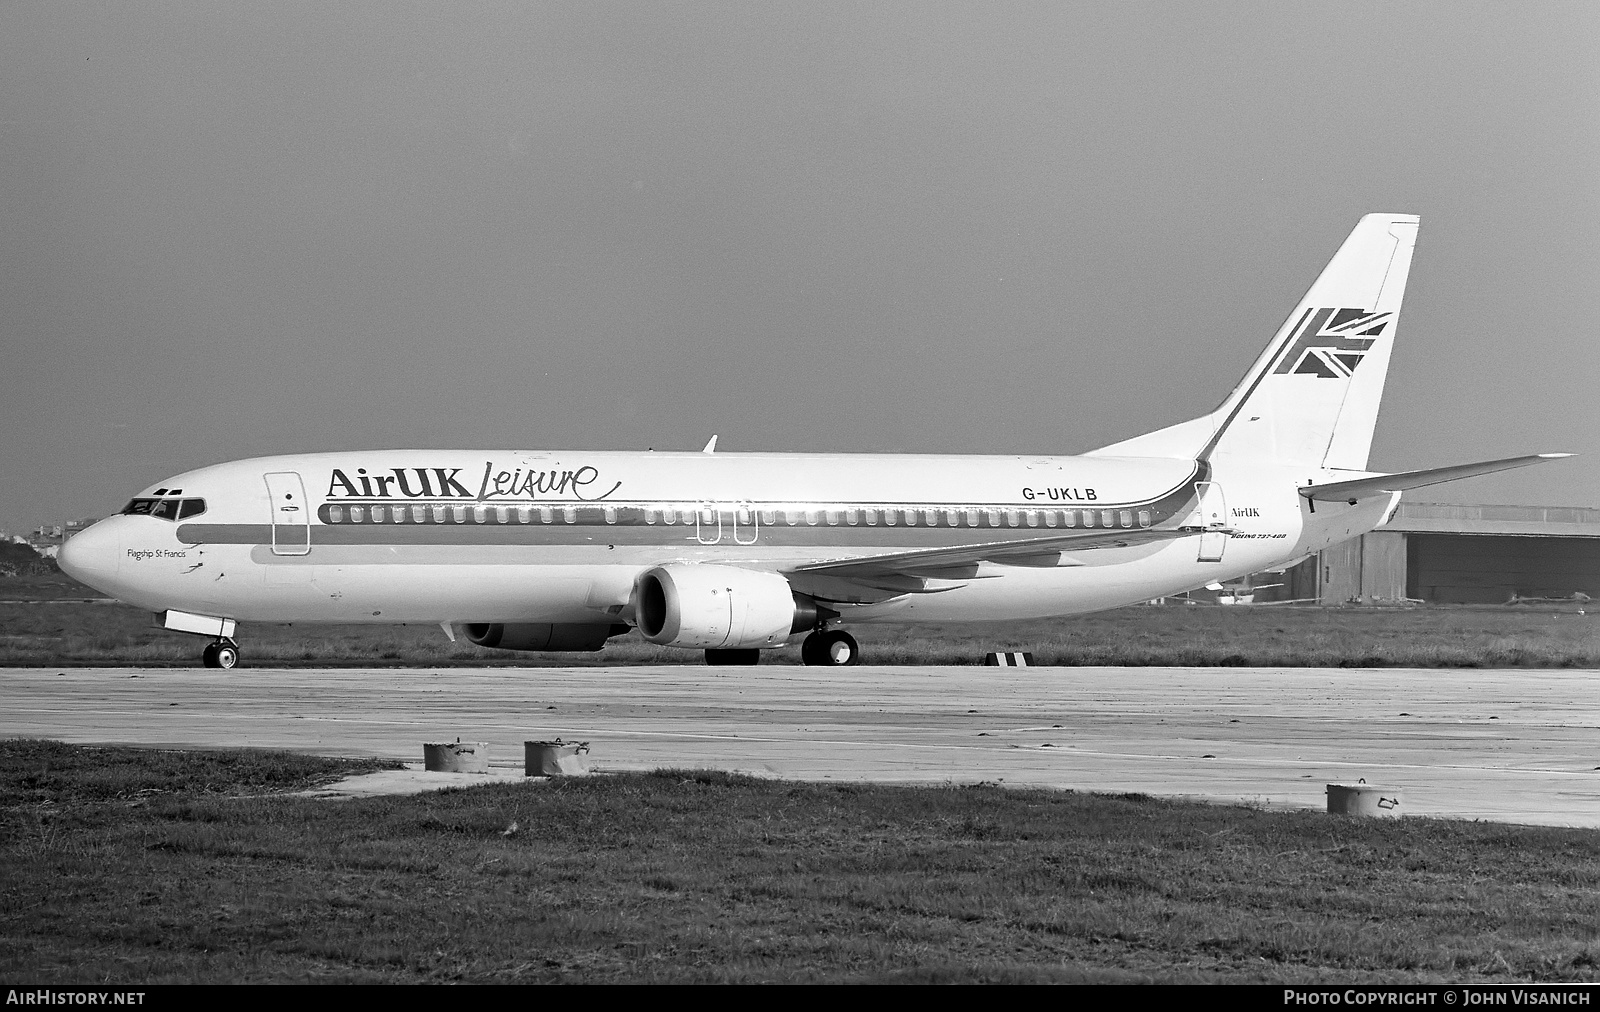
1512	746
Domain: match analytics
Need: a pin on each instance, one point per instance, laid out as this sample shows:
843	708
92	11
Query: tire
839	649
832	649
718	658
220	655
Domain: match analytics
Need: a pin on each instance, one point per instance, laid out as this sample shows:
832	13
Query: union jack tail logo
1330	343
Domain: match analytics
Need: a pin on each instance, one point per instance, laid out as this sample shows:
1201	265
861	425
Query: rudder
1312	396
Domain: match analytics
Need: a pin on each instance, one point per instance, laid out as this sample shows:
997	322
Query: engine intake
695	605
542	636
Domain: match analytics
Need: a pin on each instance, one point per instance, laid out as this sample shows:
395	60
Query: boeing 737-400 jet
733	553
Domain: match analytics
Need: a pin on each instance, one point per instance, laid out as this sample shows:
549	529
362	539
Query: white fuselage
561	537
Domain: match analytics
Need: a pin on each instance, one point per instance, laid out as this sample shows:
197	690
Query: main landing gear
833	647
823	648
224	653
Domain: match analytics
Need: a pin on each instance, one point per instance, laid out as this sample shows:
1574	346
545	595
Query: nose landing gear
224	653
830	647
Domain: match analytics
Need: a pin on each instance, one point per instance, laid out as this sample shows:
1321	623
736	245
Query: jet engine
715	607
542	636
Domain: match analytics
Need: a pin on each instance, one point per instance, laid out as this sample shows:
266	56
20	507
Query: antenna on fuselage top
711	447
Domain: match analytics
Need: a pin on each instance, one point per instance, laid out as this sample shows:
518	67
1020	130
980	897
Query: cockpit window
165	509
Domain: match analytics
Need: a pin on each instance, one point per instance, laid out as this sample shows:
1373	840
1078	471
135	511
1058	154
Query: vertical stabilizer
1312	396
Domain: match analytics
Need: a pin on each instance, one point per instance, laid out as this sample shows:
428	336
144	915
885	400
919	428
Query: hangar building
1458	555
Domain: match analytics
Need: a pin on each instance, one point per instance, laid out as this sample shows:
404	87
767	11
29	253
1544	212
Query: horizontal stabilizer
1384	484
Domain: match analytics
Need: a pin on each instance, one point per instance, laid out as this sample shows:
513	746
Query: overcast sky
230	230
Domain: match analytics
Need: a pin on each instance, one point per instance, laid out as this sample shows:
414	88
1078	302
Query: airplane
735	553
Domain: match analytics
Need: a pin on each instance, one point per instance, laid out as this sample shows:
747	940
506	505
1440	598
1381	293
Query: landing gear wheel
722	657
221	654
831	648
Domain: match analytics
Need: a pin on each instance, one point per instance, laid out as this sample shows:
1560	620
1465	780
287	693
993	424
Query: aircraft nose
92	556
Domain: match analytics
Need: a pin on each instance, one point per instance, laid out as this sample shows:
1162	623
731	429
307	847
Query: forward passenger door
291	514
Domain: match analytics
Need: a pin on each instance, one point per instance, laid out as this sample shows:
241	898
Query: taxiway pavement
1511	746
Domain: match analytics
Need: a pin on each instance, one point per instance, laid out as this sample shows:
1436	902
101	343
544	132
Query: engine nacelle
542	636
694	605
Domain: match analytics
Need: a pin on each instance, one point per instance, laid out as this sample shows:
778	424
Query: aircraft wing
1384	484
961	561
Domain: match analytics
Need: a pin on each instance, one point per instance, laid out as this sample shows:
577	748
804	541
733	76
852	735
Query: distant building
46	539
1456	555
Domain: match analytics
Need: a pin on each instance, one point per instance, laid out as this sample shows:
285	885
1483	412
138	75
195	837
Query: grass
1545	636
696	876
51	773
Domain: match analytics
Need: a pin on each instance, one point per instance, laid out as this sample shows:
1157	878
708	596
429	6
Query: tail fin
1312	397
